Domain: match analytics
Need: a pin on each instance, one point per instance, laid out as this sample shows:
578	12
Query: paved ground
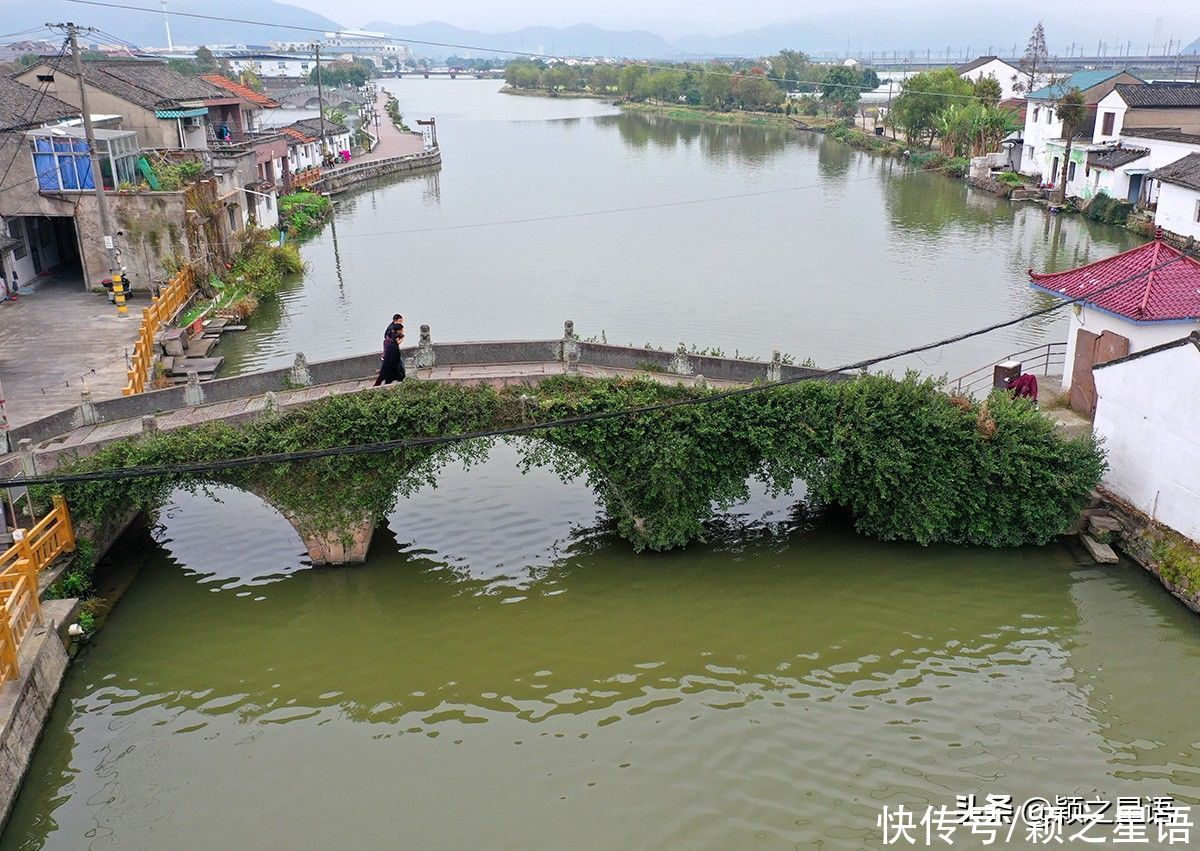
53	339
392	141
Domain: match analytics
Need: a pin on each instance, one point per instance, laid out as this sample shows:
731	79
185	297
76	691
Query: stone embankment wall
1137	535
350	175
25	702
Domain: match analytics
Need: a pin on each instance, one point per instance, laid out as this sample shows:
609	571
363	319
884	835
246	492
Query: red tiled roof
1168	293
297	135
244	92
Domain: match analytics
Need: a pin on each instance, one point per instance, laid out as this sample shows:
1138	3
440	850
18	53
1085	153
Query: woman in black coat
392	367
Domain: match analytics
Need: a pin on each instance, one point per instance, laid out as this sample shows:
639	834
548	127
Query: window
1197	217
1109	119
1049	116
1037	112
45	78
62	161
1070	172
233	217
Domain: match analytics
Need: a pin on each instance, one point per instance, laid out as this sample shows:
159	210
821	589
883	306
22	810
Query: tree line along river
503	670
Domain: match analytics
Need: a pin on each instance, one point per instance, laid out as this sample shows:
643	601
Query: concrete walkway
55	338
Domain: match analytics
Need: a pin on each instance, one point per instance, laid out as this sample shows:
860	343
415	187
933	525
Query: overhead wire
146	471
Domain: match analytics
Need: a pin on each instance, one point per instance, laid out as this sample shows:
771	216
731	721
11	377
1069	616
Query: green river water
504	672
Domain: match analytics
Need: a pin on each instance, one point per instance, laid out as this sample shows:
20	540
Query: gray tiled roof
1163	134
1184	172
1160	95
1115	157
23	107
151	85
312	127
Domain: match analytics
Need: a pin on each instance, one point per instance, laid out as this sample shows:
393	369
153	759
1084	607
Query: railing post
64	518
8	657
28	565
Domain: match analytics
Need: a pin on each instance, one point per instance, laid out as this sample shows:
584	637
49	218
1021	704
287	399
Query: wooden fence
162	310
31	553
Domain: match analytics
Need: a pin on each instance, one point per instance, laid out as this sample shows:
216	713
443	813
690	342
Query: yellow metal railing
162	310
31	553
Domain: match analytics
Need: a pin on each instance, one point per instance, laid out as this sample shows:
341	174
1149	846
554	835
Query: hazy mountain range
845	32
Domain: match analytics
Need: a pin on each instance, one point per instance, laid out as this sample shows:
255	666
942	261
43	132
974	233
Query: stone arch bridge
42	446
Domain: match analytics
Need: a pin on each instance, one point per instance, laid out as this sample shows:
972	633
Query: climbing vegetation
903	458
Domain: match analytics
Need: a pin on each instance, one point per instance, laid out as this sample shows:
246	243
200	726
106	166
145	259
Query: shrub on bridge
904	459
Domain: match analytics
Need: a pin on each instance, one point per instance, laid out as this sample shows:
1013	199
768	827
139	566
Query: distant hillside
147	30
579	40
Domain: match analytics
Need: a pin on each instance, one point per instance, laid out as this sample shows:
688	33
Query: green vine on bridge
906	460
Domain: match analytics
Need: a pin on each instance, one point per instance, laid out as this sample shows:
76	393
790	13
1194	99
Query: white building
1177	193
1149	424
1127	303
1042	156
1008	76
272	64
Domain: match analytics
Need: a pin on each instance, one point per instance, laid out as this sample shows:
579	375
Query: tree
716	86
870	79
628	79
250	79
340	73
988	90
755	92
923	97
1034	62
1072	112
603	78
841	89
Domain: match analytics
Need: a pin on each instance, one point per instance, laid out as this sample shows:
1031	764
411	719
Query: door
1135	188
1090	350
1054	171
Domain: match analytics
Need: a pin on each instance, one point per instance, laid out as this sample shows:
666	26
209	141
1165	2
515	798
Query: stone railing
342	177
571	351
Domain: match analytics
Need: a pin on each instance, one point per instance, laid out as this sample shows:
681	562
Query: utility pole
321	99
110	245
167	24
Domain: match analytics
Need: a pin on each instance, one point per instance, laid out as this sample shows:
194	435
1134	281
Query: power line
123	473
522	53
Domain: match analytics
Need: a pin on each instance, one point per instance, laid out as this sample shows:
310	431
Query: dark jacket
392	368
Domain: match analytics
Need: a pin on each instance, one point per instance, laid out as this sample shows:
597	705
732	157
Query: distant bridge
451	73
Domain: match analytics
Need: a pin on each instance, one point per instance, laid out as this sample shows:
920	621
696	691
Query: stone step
1102	553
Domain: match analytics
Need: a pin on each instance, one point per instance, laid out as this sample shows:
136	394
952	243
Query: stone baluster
570	346
426	357
300	376
193	393
28	459
775	367
149	425
270	403
87	408
681	364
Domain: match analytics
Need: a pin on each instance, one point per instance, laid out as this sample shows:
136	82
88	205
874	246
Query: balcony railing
1038	360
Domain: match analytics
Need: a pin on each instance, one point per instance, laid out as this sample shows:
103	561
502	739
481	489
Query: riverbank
549	93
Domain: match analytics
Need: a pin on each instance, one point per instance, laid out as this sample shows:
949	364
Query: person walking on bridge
392	367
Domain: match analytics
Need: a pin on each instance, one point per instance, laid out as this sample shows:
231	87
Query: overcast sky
1114	19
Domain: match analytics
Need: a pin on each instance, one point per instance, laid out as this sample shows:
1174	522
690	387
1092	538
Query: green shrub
303	212
1108	210
1010	178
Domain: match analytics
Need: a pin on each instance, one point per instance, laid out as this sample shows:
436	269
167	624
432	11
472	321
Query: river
504	671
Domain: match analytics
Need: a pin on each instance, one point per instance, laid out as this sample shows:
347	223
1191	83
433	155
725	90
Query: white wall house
272	64
1178	194
1149	429
1008	76
1044	160
1127	303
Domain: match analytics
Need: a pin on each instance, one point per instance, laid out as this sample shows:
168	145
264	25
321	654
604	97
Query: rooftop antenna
167	24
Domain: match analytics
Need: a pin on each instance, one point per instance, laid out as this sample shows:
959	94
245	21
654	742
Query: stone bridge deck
41	446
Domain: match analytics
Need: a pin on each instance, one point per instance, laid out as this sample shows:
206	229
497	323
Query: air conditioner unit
194	121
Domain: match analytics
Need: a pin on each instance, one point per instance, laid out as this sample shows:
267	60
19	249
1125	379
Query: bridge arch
904	458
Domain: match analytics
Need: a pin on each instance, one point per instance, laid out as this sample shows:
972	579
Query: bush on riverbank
262	266
304	212
906	460
1108	210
